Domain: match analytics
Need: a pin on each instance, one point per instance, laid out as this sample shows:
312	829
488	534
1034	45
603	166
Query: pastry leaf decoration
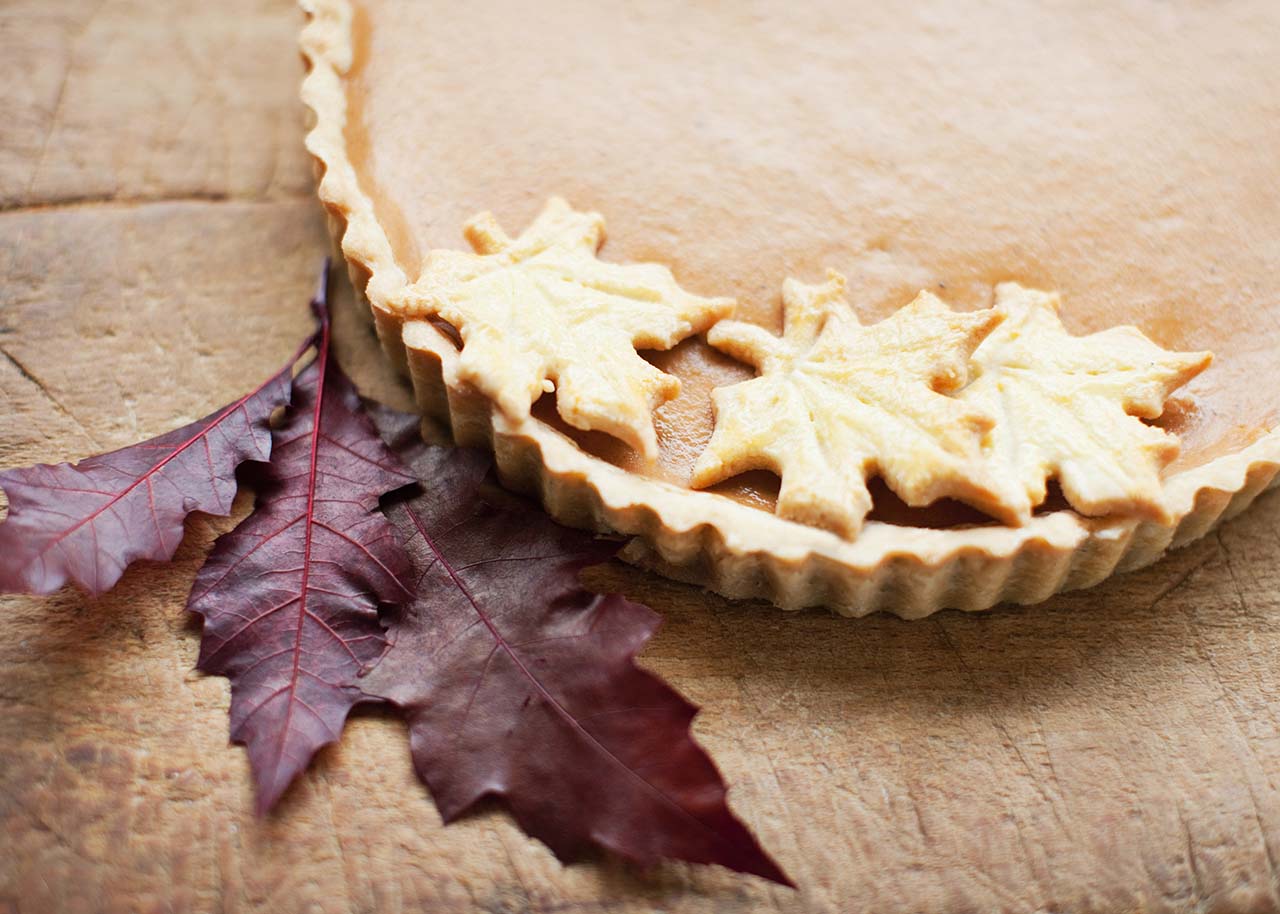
837	402
541	312
1071	407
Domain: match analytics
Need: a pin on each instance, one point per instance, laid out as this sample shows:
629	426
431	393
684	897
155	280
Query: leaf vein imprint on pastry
1071	407
837	401
541	312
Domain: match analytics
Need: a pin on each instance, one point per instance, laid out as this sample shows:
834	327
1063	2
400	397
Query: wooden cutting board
1111	750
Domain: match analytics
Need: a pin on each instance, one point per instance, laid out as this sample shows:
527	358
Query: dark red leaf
290	597
518	683
87	522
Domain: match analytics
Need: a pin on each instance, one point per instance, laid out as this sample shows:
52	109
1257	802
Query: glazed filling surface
1124	155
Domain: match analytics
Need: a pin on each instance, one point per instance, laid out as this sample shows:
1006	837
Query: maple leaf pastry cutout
541	313
1071	407
837	402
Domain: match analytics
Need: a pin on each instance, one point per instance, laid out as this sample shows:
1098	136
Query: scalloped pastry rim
710	540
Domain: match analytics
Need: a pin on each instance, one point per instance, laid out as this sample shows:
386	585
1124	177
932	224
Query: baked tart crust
722	539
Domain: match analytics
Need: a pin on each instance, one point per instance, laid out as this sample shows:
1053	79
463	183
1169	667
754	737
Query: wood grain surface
1112	750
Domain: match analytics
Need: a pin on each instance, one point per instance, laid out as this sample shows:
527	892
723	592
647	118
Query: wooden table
1111	750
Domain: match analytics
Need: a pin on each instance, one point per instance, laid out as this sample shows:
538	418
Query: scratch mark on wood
30	376
1231	571
1179	582
55	115
1009	741
1197	884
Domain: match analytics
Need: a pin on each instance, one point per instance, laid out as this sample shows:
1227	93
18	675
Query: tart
983	175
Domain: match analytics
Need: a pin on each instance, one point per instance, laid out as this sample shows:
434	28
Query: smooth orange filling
1126	160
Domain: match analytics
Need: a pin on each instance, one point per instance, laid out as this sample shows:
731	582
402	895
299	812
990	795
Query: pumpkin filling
1126	161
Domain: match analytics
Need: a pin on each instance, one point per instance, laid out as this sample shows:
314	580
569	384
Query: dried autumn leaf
1068	406
540	312
836	401
290	597
86	522
519	684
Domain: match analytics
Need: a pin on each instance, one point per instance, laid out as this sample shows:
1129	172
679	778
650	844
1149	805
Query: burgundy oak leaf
519	684
86	522
290	597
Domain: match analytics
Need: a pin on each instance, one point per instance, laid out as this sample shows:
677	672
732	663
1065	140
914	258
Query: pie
901	307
